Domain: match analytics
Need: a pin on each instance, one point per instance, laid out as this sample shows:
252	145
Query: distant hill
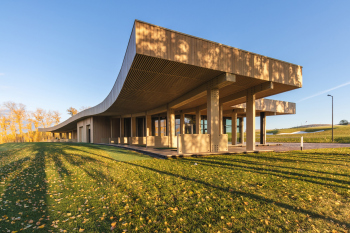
312	125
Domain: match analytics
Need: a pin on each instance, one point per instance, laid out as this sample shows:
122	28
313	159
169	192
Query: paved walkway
307	146
277	147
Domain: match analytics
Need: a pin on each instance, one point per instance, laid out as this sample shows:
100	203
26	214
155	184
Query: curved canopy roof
161	65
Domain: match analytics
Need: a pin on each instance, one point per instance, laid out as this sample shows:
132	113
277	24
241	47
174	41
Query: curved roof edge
113	94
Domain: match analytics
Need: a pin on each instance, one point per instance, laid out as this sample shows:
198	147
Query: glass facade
163	126
177	124
204	125
190	124
159	122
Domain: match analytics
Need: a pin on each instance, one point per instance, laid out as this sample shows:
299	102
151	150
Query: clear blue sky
54	54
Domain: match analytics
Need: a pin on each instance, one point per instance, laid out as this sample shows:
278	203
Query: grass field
341	134
61	187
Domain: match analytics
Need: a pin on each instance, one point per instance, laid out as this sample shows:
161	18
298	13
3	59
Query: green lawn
62	187
341	134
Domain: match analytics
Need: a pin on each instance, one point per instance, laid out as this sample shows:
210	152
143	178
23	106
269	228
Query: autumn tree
19	125
72	111
18	117
56	117
4	125
38	121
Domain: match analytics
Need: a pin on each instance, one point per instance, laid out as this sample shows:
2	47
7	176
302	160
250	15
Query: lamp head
328	95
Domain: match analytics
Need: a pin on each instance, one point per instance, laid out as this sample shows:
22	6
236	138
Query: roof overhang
161	65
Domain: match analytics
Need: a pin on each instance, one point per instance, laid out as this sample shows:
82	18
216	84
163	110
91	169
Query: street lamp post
332	117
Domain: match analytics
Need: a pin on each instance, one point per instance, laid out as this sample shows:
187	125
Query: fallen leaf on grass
113	224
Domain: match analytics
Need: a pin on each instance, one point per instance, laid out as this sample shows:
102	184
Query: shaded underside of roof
160	65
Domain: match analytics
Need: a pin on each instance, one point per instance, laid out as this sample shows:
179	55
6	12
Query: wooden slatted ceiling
161	65
148	86
163	43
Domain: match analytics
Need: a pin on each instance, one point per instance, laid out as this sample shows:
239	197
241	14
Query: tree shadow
279	173
248	195
274	159
11	146
25	196
234	161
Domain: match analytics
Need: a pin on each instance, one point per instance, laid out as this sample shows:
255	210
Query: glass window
155	126
163	126
190	124
228	127
204	125
177	125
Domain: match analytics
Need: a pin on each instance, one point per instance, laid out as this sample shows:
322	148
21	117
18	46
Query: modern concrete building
177	90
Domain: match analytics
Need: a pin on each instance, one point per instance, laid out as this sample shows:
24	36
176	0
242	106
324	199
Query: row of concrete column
214	122
64	135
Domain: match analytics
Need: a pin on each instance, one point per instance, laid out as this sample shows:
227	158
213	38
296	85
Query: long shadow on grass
331	156
278	166
12	146
27	195
249	195
278	172
115	150
294	176
274	159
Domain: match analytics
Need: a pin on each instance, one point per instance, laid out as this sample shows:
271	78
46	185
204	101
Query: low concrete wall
199	143
193	143
150	141
161	141
223	144
123	140
137	140
113	140
65	140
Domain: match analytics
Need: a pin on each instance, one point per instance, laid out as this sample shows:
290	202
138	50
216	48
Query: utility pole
332	117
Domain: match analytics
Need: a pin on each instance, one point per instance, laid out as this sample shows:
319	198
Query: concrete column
171	127
133	126
213	116
198	121
241	129
221	109
182	123
148	125
250	121
121	130
111	124
148	132
262	128
234	128
159	130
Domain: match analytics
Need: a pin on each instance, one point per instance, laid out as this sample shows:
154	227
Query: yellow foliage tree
18	125
72	111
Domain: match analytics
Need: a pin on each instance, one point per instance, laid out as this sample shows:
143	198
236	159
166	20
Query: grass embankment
341	134
74	187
